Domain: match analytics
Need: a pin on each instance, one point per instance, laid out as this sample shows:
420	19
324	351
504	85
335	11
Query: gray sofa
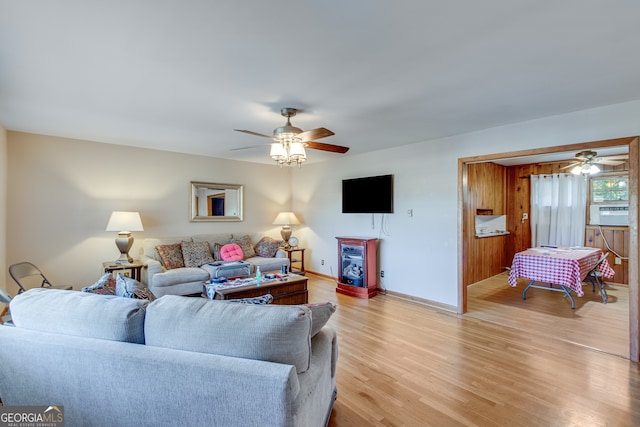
178	360
188	280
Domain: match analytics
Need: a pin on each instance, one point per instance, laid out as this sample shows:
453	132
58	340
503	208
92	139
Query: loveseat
165	276
186	361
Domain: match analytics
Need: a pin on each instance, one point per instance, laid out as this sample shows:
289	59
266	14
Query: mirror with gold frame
215	202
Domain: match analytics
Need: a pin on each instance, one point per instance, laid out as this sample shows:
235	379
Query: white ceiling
560	156
181	75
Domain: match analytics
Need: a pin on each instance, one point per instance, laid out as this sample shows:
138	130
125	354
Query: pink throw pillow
231	252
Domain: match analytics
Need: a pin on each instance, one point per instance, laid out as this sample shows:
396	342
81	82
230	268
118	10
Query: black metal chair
595	277
22	270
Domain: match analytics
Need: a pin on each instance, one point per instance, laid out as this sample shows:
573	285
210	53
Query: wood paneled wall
618	240
506	190
486	189
519	202
518	194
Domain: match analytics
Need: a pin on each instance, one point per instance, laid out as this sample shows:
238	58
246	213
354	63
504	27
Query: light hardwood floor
405	364
603	327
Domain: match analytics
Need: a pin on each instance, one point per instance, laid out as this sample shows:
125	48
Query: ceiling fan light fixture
282	134
290	142
278	153
297	153
285	152
586	168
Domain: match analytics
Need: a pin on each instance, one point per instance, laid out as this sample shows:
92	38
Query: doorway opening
467	232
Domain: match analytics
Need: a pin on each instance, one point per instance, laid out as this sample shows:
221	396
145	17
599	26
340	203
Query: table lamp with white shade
286	219
124	223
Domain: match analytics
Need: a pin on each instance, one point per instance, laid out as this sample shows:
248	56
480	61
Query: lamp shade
286	218
277	152
585	169
593	169
124	221
297	153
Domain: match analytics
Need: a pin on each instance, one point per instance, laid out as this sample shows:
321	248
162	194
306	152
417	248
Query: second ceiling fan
290	141
586	162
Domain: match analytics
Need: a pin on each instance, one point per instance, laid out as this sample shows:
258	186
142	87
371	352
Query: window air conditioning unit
609	215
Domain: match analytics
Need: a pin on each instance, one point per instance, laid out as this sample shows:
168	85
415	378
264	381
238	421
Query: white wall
3	204
62	191
419	254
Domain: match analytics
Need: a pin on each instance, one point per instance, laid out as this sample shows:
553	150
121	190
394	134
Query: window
610	189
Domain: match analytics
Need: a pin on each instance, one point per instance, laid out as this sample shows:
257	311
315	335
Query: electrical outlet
618	260
321	262
381	273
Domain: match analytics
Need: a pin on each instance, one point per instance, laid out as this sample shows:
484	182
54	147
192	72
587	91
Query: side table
299	263
128	269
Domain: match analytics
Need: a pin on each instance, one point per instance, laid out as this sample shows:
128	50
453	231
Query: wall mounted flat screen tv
372	194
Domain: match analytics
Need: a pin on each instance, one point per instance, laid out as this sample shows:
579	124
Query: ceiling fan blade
616	157
571	165
254	133
246	148
326	147
609	162
314	134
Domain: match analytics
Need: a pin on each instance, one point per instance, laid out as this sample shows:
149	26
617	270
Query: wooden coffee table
291	290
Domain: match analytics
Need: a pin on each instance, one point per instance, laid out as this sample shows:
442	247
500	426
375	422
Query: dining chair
596	278
23	270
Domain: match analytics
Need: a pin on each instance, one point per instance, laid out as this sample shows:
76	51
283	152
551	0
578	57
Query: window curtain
558	209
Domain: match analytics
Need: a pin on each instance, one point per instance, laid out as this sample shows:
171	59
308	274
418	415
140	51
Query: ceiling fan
586	162
290	141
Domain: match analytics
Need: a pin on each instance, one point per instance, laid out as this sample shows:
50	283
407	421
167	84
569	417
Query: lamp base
124	259
124	241
286	235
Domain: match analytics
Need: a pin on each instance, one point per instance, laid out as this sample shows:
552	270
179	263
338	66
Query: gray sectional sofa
186	361
188	280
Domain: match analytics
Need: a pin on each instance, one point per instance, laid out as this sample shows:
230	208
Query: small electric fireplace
357	267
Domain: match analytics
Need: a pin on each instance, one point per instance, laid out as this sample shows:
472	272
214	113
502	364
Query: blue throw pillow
125	287
99	284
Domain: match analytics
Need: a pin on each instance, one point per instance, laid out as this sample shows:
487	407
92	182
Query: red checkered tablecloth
562	266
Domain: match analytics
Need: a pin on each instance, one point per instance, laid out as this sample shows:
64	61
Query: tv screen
373	194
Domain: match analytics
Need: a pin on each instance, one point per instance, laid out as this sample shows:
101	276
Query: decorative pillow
231	252
320	314
100	284
245	243
196	254
142	292
216	251
267	247
108	287
126	286
171	255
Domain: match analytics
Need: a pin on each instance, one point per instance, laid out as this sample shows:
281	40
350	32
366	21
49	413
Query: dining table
561	266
